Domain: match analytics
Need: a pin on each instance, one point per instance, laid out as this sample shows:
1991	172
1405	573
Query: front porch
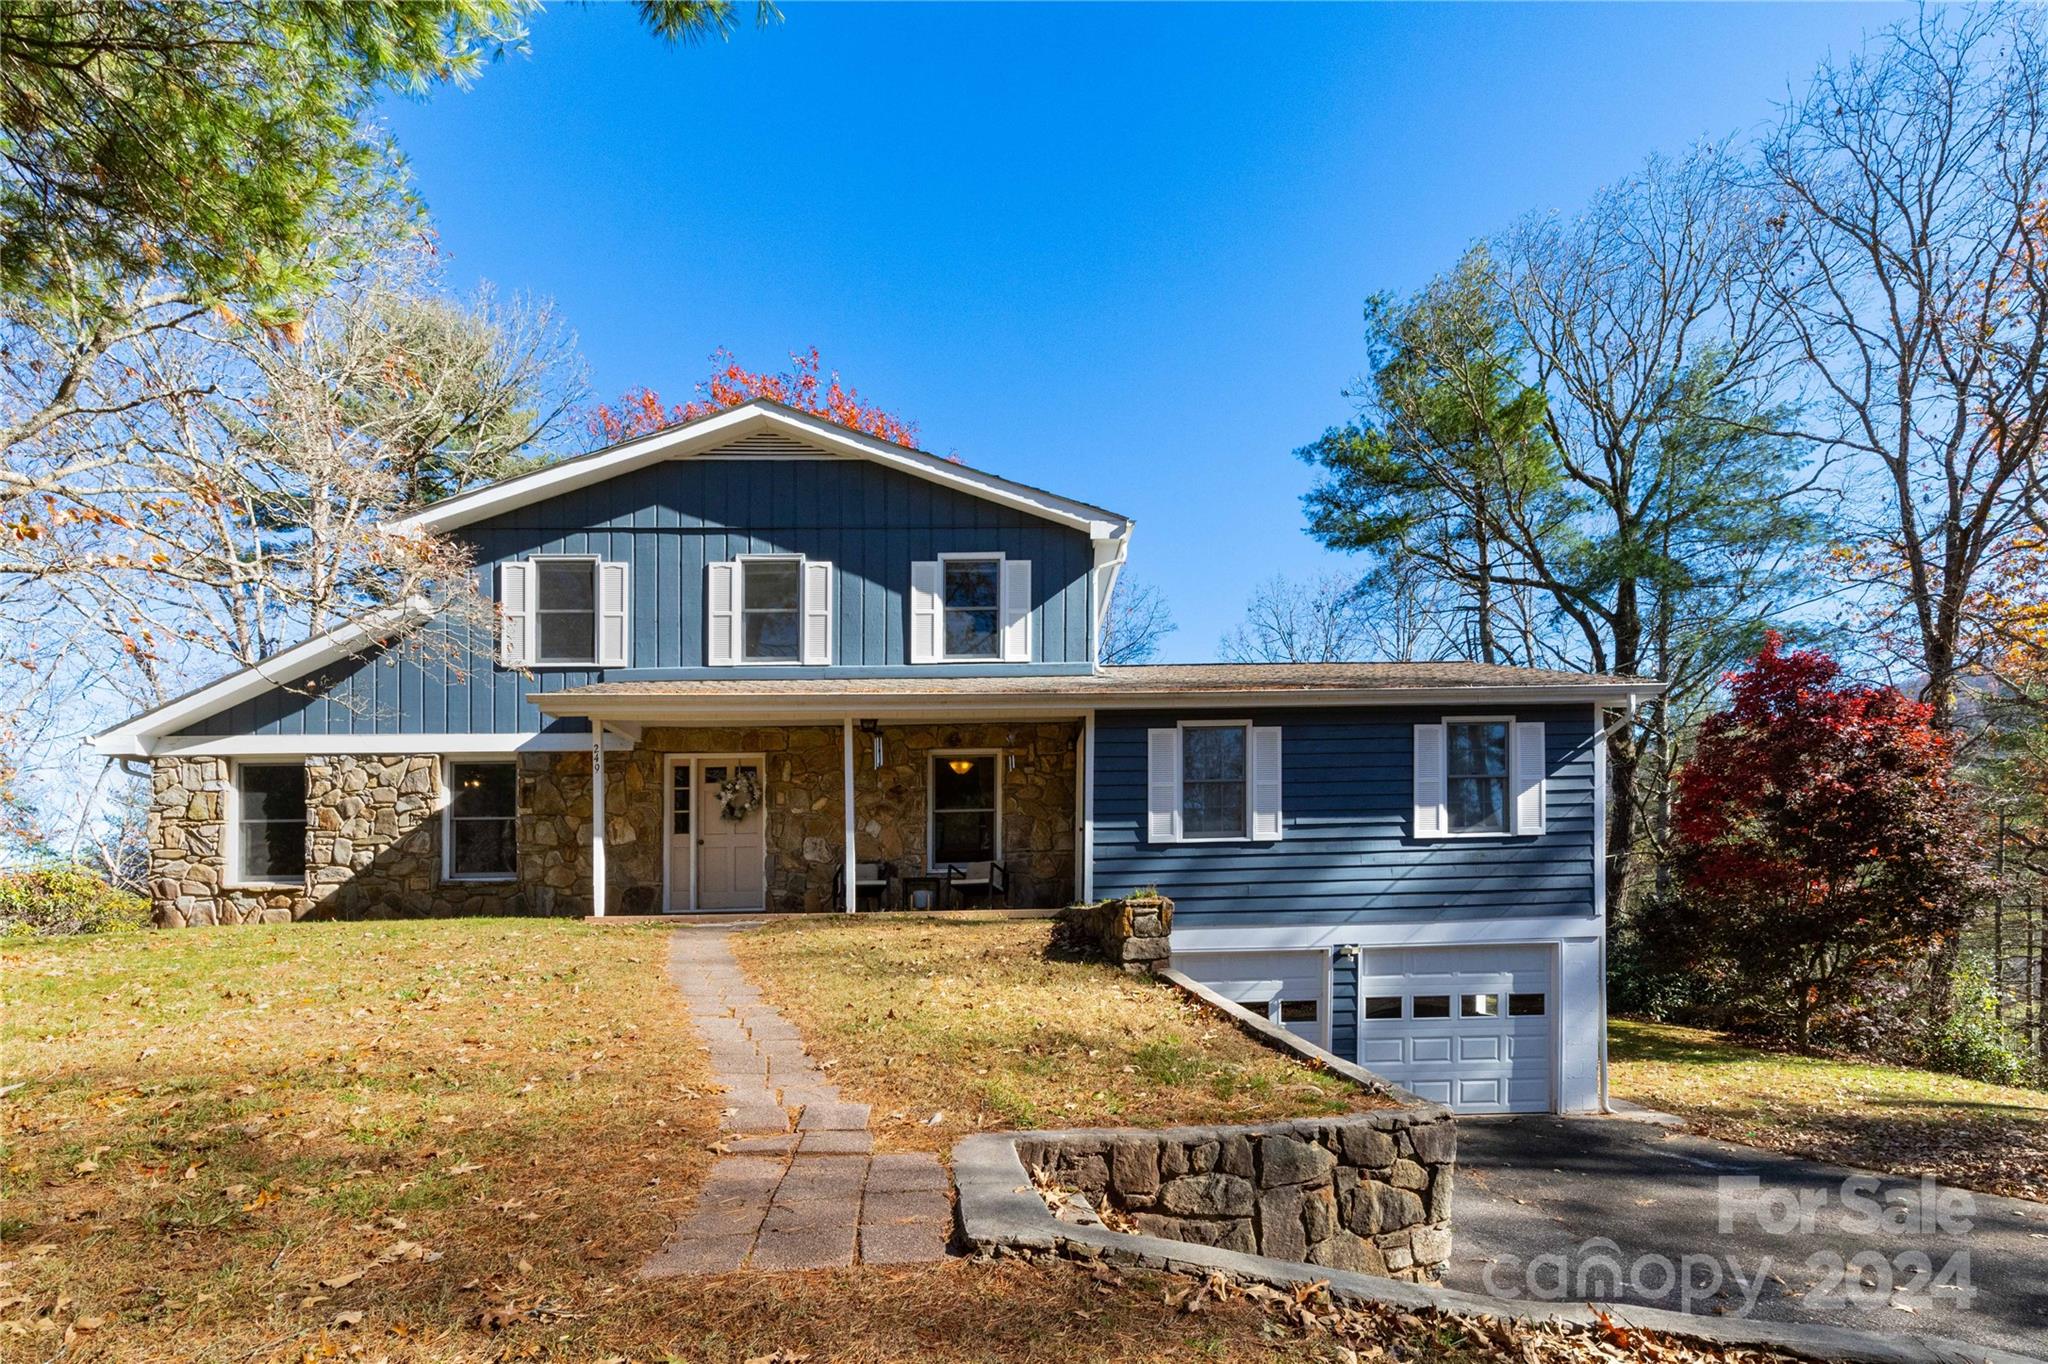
927	796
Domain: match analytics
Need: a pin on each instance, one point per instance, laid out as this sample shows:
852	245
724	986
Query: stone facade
1370	1192
373	846
1135	933
374	826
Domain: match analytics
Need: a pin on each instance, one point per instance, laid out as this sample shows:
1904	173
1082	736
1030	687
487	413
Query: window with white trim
481	821
971	610
964	797
270	823
1215	780
1476	777
565	610
771	609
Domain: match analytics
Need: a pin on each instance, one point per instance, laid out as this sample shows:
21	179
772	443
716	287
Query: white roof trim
134	737
708	433
322	745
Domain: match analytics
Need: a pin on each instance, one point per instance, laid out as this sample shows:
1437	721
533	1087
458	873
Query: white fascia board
681	442
1376	929
320	745
132	737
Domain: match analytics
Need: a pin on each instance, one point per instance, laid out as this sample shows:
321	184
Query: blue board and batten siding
668	520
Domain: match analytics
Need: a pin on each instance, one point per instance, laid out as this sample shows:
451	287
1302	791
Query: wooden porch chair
870	879
977	878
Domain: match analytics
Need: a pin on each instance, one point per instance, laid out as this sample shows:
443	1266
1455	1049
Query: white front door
731	853
1467	1027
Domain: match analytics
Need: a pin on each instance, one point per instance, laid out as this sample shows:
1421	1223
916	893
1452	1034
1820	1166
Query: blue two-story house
759	662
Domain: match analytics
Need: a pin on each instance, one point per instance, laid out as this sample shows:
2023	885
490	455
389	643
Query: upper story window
771	610
1476	776
768	608
270	823
563	611
972	599
970	608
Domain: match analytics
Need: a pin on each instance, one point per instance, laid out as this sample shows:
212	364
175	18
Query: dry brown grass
949	1026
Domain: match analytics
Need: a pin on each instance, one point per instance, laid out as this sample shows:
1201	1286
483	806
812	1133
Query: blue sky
1118	251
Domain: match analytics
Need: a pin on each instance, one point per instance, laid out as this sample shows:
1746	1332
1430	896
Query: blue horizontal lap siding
1347	851
668	520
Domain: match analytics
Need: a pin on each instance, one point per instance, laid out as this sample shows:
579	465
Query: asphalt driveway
1590	1209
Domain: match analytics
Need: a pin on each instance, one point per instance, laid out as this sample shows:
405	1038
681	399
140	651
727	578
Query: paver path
798	1187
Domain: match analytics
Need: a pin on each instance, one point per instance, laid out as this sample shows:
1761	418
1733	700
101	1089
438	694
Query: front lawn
950	1026
456	1142
1890	1118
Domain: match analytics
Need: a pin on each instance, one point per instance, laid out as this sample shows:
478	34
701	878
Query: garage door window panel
1432	1006
1383	1006
1525	1006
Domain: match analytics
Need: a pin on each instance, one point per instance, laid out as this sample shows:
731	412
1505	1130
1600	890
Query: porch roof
1129	687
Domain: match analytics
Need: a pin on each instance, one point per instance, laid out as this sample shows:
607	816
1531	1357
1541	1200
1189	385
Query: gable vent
766	444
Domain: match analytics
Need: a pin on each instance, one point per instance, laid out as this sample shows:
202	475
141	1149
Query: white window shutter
1429	781
721	613
515	613
1016	610
1162	786
614	613
1265	782
924	611
1529	761
817	612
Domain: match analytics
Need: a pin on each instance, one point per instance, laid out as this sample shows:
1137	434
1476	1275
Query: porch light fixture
961	766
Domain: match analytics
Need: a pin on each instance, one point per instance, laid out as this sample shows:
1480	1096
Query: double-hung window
482	821
971	595
563	611
1476	776
270	823
1215	777
771	610
1480	776
965	822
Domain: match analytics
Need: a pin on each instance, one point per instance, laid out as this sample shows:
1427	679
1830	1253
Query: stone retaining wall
1369	1192
1135	933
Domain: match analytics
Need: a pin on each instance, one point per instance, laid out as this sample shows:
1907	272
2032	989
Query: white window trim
740	657
1180	782
231	830
996	557
447	778
596	561
1444	759
931	809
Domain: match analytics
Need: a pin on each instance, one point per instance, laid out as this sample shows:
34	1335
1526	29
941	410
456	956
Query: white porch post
597	818
849	875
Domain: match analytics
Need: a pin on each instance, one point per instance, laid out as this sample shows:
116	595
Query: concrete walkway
798	1187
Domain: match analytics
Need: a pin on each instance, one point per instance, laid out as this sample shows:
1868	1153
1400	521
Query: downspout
1600	887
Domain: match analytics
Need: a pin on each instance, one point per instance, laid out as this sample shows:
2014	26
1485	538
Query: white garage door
1287	987
1469	1027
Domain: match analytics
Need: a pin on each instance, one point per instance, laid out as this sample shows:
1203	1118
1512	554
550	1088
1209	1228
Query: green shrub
52	901
1972	1042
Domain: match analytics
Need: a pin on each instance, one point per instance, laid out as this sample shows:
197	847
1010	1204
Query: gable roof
756	418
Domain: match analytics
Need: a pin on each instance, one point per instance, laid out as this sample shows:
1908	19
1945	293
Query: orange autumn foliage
805	386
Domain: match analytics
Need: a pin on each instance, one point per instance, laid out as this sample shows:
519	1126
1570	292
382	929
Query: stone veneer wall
373	846
1135	933
1368	1192
374	826
806	810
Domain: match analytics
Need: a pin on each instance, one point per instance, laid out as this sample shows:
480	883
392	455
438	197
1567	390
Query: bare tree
1912	189
1137	620
1322	620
